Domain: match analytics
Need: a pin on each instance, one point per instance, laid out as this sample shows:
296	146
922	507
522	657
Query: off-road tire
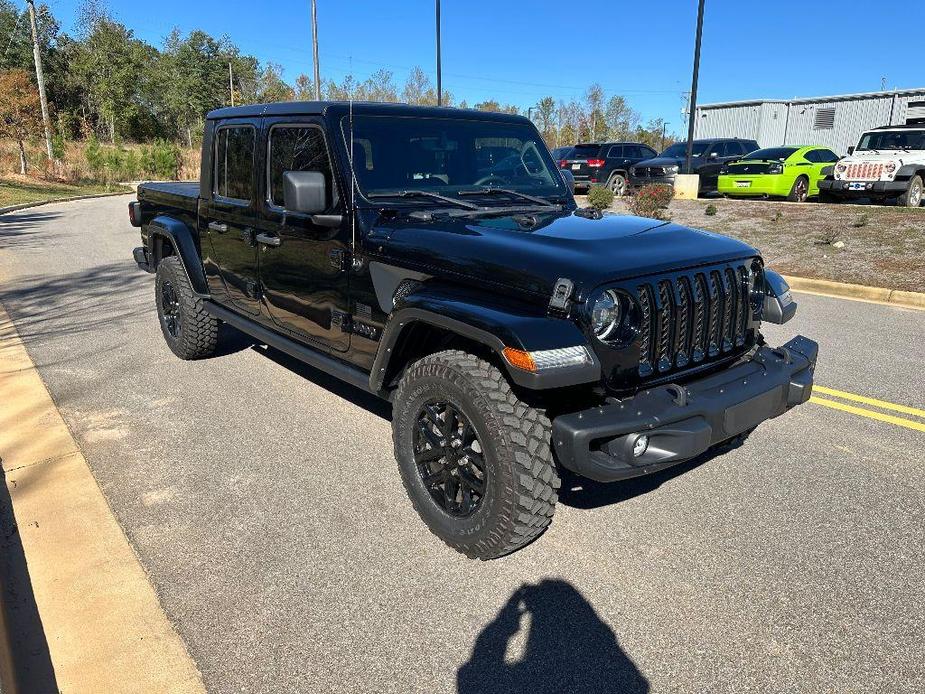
800	190
913	195
197	336
521	480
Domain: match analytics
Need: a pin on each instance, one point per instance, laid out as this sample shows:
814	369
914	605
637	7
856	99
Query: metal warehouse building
833	121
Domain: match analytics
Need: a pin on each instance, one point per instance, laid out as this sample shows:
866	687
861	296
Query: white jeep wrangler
887	164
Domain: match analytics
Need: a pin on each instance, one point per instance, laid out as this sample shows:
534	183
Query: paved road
263	500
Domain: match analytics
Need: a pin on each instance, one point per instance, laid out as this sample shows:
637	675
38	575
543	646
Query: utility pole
40	79
664	126
315	50
692	109
439	67
231	82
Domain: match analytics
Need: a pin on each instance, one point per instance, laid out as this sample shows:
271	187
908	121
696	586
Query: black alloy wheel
170	309
450	459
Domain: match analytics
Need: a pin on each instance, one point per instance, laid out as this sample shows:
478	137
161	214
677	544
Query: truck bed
177	195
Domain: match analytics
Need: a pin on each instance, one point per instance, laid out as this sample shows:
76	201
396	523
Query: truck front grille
691	318
864	171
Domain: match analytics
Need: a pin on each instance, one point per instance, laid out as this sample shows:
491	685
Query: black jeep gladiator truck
436	258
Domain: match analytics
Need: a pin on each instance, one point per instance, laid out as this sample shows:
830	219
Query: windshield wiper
423	194
507	191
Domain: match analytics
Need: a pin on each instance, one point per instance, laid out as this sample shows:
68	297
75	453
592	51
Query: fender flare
909	170
183	242
486	319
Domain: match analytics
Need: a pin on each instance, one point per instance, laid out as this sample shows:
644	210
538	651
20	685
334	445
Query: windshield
449	155
906	139
772	153
679	150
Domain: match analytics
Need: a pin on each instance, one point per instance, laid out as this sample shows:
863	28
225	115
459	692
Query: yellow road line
869	401
870	414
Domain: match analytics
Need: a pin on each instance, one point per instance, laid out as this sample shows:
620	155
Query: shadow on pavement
567	648
25	663
332	384
25	229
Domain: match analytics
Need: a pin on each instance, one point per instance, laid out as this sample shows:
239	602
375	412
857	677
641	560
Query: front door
303	265
231	212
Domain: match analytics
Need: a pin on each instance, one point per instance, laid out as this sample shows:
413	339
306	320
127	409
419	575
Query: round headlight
890	167
605	314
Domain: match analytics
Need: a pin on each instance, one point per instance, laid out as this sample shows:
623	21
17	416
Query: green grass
19	193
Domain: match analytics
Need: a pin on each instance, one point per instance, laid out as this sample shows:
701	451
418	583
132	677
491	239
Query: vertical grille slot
714	329
732	306
699	330
665	325
744	306
645	331
682	323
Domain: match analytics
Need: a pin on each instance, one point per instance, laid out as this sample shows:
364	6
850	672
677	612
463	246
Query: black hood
529	253
663	161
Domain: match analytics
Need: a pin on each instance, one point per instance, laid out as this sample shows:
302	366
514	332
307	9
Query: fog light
640	445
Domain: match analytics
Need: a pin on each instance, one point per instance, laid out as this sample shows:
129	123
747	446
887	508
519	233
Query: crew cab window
297	148
234	162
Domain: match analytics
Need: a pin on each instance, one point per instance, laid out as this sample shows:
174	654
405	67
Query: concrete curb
40	203
859	292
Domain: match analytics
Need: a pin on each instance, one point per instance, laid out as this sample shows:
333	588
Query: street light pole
40	80
439	67
315	50
664	126
692	109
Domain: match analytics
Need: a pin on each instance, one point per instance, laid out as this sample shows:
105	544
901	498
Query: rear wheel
190	332
800	190
913	195
617	183
474	459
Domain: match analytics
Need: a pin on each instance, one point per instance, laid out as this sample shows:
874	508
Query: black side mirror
714	155
568	178
851	150
305	192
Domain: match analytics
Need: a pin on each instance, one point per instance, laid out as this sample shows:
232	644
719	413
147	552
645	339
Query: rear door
303	265
230	213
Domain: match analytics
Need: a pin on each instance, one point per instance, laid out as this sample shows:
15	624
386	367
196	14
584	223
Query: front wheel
913	195
475	460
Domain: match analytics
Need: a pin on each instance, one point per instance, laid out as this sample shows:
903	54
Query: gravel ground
860	244
264	502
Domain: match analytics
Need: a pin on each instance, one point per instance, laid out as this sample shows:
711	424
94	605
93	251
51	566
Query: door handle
268	240
218	227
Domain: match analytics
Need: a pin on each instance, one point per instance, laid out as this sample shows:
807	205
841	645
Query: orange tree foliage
20	110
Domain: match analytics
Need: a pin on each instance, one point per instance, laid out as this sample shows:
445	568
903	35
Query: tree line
104	82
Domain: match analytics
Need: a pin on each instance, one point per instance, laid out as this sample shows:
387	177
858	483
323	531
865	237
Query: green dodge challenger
787	172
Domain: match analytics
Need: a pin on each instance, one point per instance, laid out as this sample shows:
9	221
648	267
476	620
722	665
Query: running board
322	362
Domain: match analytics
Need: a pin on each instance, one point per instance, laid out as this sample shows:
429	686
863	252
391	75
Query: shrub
162	160
96	158
652	201
862	221
710	211
600	197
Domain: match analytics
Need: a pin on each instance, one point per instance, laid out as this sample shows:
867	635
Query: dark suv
606	163
708	158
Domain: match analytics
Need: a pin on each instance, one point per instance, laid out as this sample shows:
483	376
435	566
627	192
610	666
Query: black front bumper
879	188
683	422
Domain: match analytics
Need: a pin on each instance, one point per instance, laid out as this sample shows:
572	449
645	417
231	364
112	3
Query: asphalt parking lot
264	502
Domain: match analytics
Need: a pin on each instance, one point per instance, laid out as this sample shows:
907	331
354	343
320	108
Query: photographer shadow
567	648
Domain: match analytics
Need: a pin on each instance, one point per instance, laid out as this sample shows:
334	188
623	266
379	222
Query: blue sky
520	51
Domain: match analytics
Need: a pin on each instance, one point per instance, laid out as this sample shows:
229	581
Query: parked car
790	172
560	153
514	334
887	164
708	157
605	163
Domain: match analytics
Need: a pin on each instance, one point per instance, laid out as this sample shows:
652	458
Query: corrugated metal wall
769	123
